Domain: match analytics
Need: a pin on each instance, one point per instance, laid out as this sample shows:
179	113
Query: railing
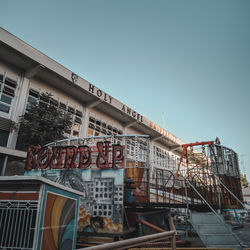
232	194
163	189
221	221
212	170
17	224
124	244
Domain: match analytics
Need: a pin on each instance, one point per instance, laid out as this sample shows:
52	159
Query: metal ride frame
209	168
213	171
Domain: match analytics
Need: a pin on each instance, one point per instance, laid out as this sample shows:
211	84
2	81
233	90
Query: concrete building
26	73
246	197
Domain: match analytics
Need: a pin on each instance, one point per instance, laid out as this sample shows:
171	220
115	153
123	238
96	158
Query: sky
184	64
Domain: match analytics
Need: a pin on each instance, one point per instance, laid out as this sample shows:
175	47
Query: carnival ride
122	190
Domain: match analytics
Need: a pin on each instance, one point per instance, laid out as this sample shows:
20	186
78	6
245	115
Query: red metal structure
212	170
185	153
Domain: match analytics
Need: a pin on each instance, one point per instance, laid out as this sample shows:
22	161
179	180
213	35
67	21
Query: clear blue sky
188	59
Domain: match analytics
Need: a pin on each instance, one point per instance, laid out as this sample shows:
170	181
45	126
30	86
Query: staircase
213	231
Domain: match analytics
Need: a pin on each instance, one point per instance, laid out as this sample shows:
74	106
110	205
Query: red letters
102	160
85	156
31	159
70	157
117	158
57	157
43	157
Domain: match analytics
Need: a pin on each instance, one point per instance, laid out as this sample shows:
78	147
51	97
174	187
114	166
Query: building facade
26	73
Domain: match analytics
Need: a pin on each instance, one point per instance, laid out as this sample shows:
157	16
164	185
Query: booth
36	213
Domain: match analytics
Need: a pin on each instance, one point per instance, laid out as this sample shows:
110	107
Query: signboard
97	170
104	155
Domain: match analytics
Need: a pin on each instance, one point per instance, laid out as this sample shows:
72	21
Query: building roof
33	63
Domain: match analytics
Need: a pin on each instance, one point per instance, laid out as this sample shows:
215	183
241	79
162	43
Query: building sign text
132	113
99	93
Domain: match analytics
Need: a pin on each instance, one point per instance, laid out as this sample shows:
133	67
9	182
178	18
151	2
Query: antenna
163	120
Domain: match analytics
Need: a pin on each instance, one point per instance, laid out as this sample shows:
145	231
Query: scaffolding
206	171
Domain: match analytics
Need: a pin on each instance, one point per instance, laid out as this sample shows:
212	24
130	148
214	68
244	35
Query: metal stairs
213	231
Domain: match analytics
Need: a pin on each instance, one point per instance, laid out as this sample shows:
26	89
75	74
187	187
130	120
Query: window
100	128
137	148
4	135
62	106
7	93
162	158
75	114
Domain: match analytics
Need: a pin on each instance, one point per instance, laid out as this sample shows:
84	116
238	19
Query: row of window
100	128
109	207
162	158
7	93
103	195
118	199
103	210
137	149
97	127
75	114
104	189
104	183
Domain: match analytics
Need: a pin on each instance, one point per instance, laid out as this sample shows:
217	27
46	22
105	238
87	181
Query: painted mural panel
101	210
101	207
96	169
59	223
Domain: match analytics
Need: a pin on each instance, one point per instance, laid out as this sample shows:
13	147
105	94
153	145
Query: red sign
70	157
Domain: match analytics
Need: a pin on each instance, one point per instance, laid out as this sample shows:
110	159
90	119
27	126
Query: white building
25	73
246	197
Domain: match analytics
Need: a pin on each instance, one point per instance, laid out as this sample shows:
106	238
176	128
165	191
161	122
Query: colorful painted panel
101	207
59	223
101	210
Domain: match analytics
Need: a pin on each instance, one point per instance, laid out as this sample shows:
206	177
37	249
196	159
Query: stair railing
211	208
242	204
220	219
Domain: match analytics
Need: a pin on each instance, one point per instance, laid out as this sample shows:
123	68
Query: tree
243	180
43	123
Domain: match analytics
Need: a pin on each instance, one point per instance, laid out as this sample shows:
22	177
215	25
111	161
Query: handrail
242	204
203	199
221	220
124	244
151	225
